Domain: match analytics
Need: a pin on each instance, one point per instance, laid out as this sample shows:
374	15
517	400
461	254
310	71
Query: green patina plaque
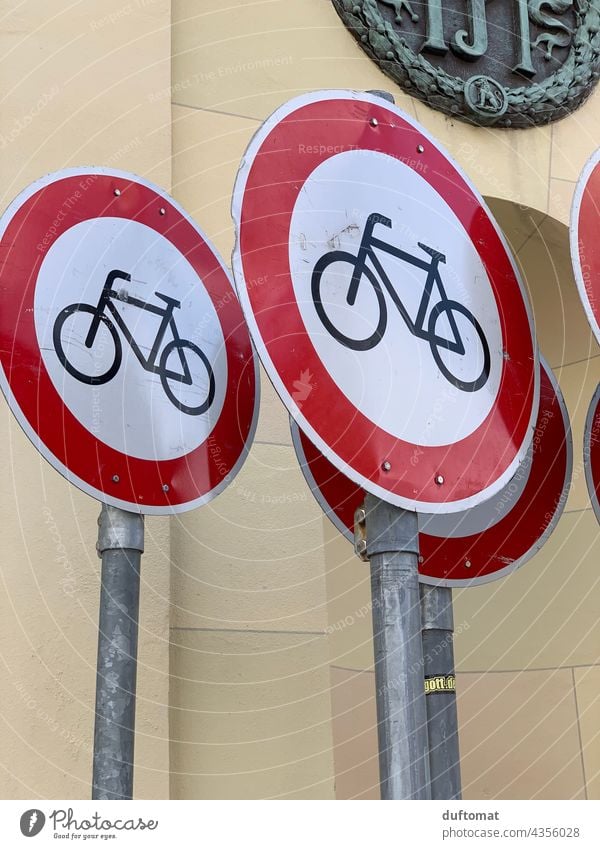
504	63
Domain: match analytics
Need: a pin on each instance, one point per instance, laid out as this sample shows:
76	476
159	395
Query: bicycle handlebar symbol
183	375
445	306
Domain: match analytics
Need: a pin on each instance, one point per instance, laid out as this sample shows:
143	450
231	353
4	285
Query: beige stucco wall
78	84
254	692
264	683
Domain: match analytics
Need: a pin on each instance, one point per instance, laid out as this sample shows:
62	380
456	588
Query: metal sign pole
392	545
120	545
440	691
397	627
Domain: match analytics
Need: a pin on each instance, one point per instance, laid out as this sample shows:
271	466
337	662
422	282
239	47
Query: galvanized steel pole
440	691
120	545
392	546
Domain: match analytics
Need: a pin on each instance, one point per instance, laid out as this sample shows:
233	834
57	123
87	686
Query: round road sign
124	353
591	452
487	541
585	245
384	302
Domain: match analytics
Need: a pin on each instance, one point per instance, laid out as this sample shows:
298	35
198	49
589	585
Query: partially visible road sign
391	295
585	244
488	541
591	452
123	350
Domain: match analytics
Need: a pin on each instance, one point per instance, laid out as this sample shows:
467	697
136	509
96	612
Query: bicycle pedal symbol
176	364
421	327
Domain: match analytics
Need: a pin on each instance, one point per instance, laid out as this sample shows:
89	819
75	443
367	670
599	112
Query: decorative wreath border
537	103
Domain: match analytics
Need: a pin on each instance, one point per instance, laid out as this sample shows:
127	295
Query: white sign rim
582	182
587	438
248	157
29	431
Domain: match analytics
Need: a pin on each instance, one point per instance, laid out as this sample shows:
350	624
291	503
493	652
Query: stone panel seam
577	362
585	785
491	671
275	444
550	170
217	112
534	226
245	631
536	231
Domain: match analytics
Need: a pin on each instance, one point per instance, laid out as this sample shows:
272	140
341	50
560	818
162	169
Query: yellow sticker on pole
440	684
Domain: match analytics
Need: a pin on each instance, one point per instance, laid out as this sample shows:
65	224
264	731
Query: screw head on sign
162	211
467	564
420	148
374	122
117	192
165	487
439	479
116	478
386	466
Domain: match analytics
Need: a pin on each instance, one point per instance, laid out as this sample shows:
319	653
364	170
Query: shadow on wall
527	646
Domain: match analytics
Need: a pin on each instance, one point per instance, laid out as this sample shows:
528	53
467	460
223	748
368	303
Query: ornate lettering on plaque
509	63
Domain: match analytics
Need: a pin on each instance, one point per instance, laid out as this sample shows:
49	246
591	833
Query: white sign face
149	296
395	326
394	351
124	355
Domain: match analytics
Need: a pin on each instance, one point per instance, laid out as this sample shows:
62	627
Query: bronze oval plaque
508	63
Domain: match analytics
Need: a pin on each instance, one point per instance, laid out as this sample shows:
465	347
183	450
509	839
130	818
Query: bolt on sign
510	63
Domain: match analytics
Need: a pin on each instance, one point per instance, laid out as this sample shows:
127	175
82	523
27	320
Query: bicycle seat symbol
421	327
179	364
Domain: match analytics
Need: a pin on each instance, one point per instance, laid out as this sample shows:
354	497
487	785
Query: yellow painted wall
272	579
78	85
253	691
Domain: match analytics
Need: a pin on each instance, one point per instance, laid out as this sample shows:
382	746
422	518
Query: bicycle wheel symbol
89	348
455	337
477	352
196	365
364	341
97	364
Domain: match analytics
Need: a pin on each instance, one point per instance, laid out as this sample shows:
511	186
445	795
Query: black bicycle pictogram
420	327
178	373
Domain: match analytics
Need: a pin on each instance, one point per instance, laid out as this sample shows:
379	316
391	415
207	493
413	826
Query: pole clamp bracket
389	529
118	529
360	534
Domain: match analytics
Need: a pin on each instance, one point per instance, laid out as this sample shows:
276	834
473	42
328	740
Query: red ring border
587	257
512	540
25	241
275	177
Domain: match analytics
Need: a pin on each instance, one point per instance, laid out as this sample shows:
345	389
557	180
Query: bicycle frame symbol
420	328
155	362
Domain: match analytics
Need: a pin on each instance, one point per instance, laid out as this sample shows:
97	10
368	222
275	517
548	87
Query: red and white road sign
123	349
384	302
591	452
585	245
487	541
